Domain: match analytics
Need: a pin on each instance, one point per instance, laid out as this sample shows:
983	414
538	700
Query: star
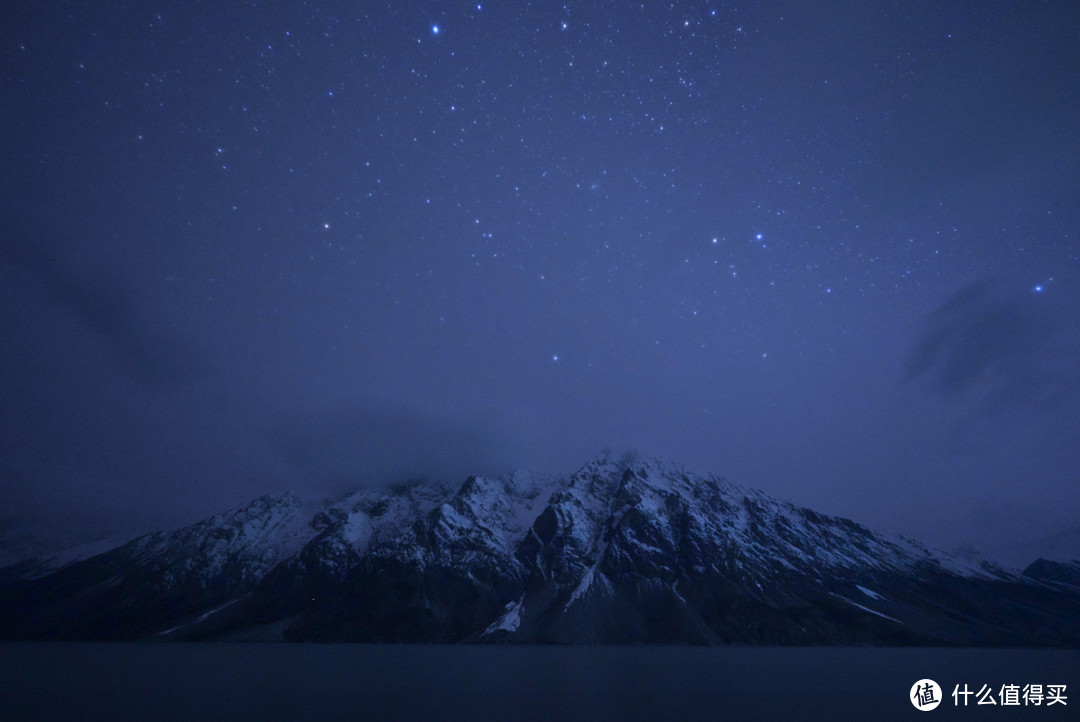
429	188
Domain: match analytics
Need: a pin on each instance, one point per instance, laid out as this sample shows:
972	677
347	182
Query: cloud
104	307
1008	349
354	444
979	336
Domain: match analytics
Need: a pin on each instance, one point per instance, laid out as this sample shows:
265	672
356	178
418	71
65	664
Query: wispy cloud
1003	349
104	307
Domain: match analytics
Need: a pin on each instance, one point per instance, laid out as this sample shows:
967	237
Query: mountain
1061	546
629	551
1066	574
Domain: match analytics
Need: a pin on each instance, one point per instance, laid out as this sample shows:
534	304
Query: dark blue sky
829	250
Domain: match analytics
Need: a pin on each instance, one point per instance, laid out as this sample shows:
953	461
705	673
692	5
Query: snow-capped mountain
629	551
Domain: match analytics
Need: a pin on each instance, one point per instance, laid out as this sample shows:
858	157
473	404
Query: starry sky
824	249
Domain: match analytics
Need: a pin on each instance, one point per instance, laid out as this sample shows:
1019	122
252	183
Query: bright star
555	357
1038	288
434	29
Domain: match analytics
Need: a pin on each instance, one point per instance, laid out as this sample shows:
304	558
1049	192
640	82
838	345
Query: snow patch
509	620
357	530
587	580
869	592
201	618
742	521
868	609
581	588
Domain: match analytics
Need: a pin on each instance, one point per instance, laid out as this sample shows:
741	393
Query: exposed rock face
634	552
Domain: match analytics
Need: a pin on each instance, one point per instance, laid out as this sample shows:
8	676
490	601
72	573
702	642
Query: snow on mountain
368	519
243	543
634	550
509	620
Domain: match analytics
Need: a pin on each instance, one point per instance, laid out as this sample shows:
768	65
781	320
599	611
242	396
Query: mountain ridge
621	551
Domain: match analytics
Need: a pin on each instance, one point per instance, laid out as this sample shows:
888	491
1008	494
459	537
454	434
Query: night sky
827	249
